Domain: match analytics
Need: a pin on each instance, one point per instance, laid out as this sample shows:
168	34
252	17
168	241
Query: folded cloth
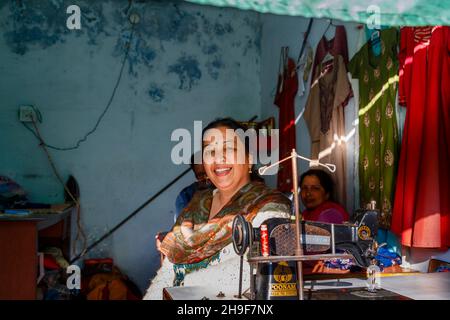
386	258
10	193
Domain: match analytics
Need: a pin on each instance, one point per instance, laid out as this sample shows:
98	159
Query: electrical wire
78	143
80	231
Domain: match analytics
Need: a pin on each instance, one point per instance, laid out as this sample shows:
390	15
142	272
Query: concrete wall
185	63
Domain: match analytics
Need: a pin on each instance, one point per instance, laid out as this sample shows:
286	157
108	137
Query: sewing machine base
352	294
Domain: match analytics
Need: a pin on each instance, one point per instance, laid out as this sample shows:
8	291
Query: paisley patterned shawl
210	236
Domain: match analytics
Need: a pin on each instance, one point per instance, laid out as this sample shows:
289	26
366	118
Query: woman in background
316	190
316	193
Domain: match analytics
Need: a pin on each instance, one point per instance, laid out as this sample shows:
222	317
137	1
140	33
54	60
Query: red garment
286	90
336	46
328	211
421	210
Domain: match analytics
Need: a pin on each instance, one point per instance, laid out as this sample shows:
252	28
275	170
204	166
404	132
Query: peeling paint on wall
42	24
214	67
210	49
188	71
156	93
205	35
182	65
141	53
27	26
222	29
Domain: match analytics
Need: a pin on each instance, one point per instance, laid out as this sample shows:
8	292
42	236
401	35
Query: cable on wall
80	232
78	143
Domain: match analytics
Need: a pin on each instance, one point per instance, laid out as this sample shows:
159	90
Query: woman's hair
192	163
325	180
231	124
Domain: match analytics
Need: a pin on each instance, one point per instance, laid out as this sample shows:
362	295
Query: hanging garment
335	46
304	68
324	117
377	123
285	97
422	199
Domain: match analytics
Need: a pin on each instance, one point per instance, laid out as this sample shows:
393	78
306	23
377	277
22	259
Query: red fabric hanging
286	90
421	214
336	46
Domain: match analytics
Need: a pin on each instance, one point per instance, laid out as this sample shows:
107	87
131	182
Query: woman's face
312	192
225	160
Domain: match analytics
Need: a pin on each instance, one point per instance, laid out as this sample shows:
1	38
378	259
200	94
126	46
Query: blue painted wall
185	63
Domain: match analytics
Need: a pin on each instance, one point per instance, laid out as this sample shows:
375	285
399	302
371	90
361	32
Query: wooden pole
298	217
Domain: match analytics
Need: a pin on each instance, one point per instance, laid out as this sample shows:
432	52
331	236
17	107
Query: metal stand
299	257
298	217
241	270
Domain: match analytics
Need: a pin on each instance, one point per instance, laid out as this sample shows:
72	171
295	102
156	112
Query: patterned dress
324	111
324	117
378	133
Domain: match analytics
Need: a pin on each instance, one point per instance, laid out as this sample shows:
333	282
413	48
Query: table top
42	217
199	293
424	286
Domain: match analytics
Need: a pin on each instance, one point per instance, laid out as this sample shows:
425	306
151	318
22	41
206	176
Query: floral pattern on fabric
210	236
378	139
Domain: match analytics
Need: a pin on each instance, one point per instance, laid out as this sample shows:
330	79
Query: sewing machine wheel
241	234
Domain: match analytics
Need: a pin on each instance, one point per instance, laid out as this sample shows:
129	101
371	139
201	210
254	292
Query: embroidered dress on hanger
378	134
324	110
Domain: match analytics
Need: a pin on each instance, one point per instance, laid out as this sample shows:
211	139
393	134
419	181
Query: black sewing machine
274	252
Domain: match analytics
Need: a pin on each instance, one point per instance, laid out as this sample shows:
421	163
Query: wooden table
21	237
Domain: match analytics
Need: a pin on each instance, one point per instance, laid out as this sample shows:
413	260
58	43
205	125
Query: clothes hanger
374	38
328	57
305	38
374	41
312	163
328	27
282	66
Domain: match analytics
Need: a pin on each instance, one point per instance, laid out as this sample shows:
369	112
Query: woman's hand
158	240
158	243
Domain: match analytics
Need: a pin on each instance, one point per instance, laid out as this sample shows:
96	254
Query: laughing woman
198	249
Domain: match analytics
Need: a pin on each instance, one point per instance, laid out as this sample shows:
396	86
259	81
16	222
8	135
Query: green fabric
378	134
393	13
